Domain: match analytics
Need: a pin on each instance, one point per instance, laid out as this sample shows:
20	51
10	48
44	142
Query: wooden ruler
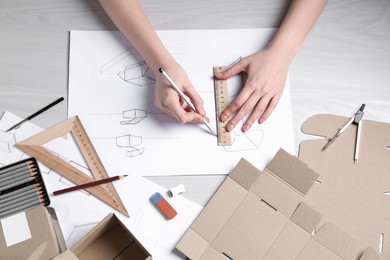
34	147
221	102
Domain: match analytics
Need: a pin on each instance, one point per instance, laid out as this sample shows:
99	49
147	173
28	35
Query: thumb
231	71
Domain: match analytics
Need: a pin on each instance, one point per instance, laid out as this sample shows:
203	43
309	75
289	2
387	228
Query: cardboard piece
44	242
109	239
256	215
351	194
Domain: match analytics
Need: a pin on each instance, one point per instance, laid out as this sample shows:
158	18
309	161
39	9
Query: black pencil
36	113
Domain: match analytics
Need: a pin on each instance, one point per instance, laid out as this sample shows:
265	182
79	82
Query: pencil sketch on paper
130	67
130	117
132	144
8	152
133	116
7	140
78	232
247	141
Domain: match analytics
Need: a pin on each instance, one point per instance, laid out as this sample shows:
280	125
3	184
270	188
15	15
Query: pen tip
160	70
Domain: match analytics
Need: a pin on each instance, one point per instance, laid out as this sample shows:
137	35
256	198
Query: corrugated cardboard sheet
351	194
256	215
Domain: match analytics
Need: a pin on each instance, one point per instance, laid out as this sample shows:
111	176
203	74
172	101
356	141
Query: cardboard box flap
67	255
351	194
306	217
244	174
293	171
250	230
211	253
96	232
337	241
108	240
193	244
57	229
288	244
369	254
276	193
219	209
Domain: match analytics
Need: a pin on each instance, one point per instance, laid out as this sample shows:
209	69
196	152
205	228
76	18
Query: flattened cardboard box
110	239
44	242
256	215
352	195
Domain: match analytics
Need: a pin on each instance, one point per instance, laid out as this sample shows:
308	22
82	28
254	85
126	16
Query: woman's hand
168	100
265	74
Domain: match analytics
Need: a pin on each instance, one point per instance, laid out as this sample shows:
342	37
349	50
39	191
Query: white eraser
177	190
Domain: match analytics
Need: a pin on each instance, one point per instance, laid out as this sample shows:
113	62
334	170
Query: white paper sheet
112	90
78	212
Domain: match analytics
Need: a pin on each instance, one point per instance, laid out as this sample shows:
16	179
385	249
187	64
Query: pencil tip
160	70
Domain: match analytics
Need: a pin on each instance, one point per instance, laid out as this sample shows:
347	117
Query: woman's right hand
169	101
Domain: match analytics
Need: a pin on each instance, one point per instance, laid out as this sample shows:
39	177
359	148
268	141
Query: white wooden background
344	62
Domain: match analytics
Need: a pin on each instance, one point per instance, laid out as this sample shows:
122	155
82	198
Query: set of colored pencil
21	187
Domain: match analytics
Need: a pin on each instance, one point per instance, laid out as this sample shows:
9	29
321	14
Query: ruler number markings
221	100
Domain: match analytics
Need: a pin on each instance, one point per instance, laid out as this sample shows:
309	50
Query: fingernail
245	128
261	120
197	119
230	127
203	112
223	118
218	74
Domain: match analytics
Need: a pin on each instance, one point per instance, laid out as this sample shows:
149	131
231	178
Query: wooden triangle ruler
33	146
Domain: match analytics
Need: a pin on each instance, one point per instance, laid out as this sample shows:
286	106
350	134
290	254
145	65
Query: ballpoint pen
185	98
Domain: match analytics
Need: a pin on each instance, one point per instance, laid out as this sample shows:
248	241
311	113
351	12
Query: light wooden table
344	62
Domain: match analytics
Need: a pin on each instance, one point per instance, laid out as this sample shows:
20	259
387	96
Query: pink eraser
163	205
